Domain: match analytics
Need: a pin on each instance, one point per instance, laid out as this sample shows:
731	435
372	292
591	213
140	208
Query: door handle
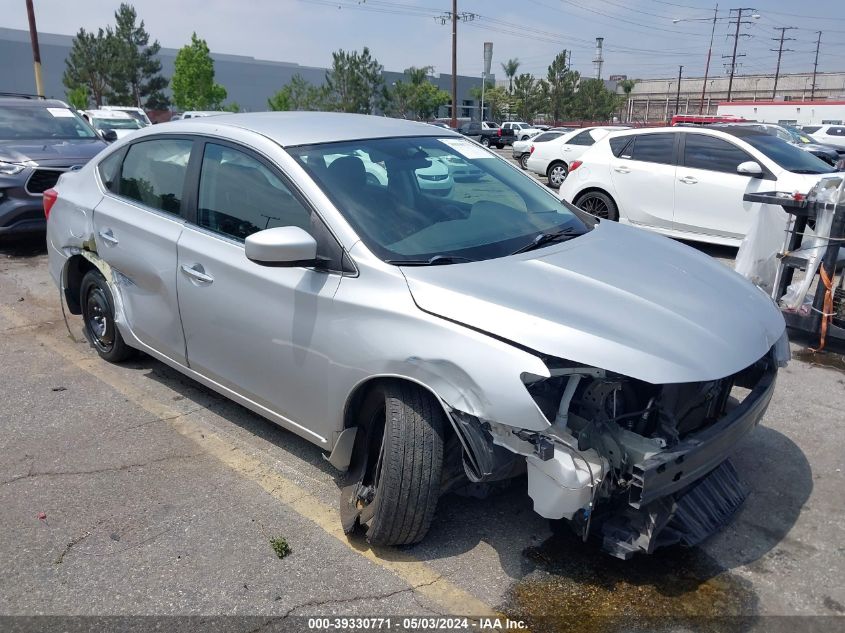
688	180
197	272
108	237
622	170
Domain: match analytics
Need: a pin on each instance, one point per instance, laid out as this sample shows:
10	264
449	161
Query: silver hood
617	298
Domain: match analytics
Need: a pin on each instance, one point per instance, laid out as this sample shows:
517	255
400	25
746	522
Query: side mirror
283	246
750	168
109	136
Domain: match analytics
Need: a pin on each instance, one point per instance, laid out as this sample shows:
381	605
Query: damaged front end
637	465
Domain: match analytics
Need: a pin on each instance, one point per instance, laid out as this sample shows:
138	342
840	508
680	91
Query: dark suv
39	140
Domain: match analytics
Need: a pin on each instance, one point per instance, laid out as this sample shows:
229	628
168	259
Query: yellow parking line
424	579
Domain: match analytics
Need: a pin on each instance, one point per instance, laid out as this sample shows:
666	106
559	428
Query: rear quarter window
618	144
109	168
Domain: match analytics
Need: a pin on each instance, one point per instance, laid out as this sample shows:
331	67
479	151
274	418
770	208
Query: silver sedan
425	342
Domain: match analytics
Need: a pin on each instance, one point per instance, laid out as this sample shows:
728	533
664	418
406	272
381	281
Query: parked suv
828	134
688	182
467	337
39	140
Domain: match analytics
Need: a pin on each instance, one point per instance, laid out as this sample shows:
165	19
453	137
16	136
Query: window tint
108	170
39	122
546	136
584	138
154	173
836	131
618	144
715	154
239	196
809	129
653	148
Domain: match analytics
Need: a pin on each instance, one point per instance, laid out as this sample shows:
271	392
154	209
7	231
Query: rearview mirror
750	168
109	136
283	246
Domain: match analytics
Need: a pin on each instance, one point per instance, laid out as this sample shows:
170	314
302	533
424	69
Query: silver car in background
424	341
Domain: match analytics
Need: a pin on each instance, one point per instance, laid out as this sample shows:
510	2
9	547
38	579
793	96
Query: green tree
627	86
136	76
594	102
561	87
498	102
193	78
510	69
418	98
90	63
298	94
528	96
355	83
78	97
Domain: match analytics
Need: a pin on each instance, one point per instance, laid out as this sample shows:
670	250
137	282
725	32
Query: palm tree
510	68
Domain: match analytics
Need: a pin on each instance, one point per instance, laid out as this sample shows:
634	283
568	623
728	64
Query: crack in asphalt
96	471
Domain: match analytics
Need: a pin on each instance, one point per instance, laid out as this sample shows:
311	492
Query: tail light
499	132
575	164
49	199
531	150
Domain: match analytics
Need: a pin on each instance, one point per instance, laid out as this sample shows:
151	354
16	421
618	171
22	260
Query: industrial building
248	81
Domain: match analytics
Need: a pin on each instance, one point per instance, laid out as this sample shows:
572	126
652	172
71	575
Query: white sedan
552	159
688	182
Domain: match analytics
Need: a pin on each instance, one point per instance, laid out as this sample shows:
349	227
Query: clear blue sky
641	39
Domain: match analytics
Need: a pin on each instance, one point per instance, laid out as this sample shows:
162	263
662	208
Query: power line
780	51
739	23
816	67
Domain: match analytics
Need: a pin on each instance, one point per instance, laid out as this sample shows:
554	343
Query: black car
39	140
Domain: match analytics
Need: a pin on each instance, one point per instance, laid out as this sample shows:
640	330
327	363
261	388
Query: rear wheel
98	316
393	481
523	161
485	141
556	174
599	204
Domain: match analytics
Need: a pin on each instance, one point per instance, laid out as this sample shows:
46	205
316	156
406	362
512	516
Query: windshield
39	122
116	124
414	199
797	135
788	156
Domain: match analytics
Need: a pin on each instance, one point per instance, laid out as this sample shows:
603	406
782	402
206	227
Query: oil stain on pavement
576	587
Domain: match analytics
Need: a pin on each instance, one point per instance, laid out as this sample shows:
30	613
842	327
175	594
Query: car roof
32	101
290	129
108	114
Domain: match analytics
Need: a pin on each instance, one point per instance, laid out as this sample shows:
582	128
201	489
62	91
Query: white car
552	159
435	178
104	121
136	113
522	131
521	150
828	134
688	182
195	114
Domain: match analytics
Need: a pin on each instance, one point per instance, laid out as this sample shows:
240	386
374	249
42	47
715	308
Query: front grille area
42	179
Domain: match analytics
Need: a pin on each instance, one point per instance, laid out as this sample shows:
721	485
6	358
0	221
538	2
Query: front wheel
599	204
98	316
393	482
485	141
557	174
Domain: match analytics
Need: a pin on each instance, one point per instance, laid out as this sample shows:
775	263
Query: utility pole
815	66
453	17
707	67
678	94
737	35
780	52
36	52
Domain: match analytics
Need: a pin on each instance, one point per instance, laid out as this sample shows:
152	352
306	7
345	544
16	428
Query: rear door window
584	138
653	148
154	173
714	154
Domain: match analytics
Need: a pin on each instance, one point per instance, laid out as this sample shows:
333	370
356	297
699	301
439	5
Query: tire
98	318
524	138
599	204
485	141
523	161
393	482
556	174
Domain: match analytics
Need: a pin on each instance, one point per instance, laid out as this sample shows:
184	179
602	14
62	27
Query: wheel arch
75	269
556	161
577	198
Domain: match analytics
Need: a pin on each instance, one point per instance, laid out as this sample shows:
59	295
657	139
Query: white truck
521	130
